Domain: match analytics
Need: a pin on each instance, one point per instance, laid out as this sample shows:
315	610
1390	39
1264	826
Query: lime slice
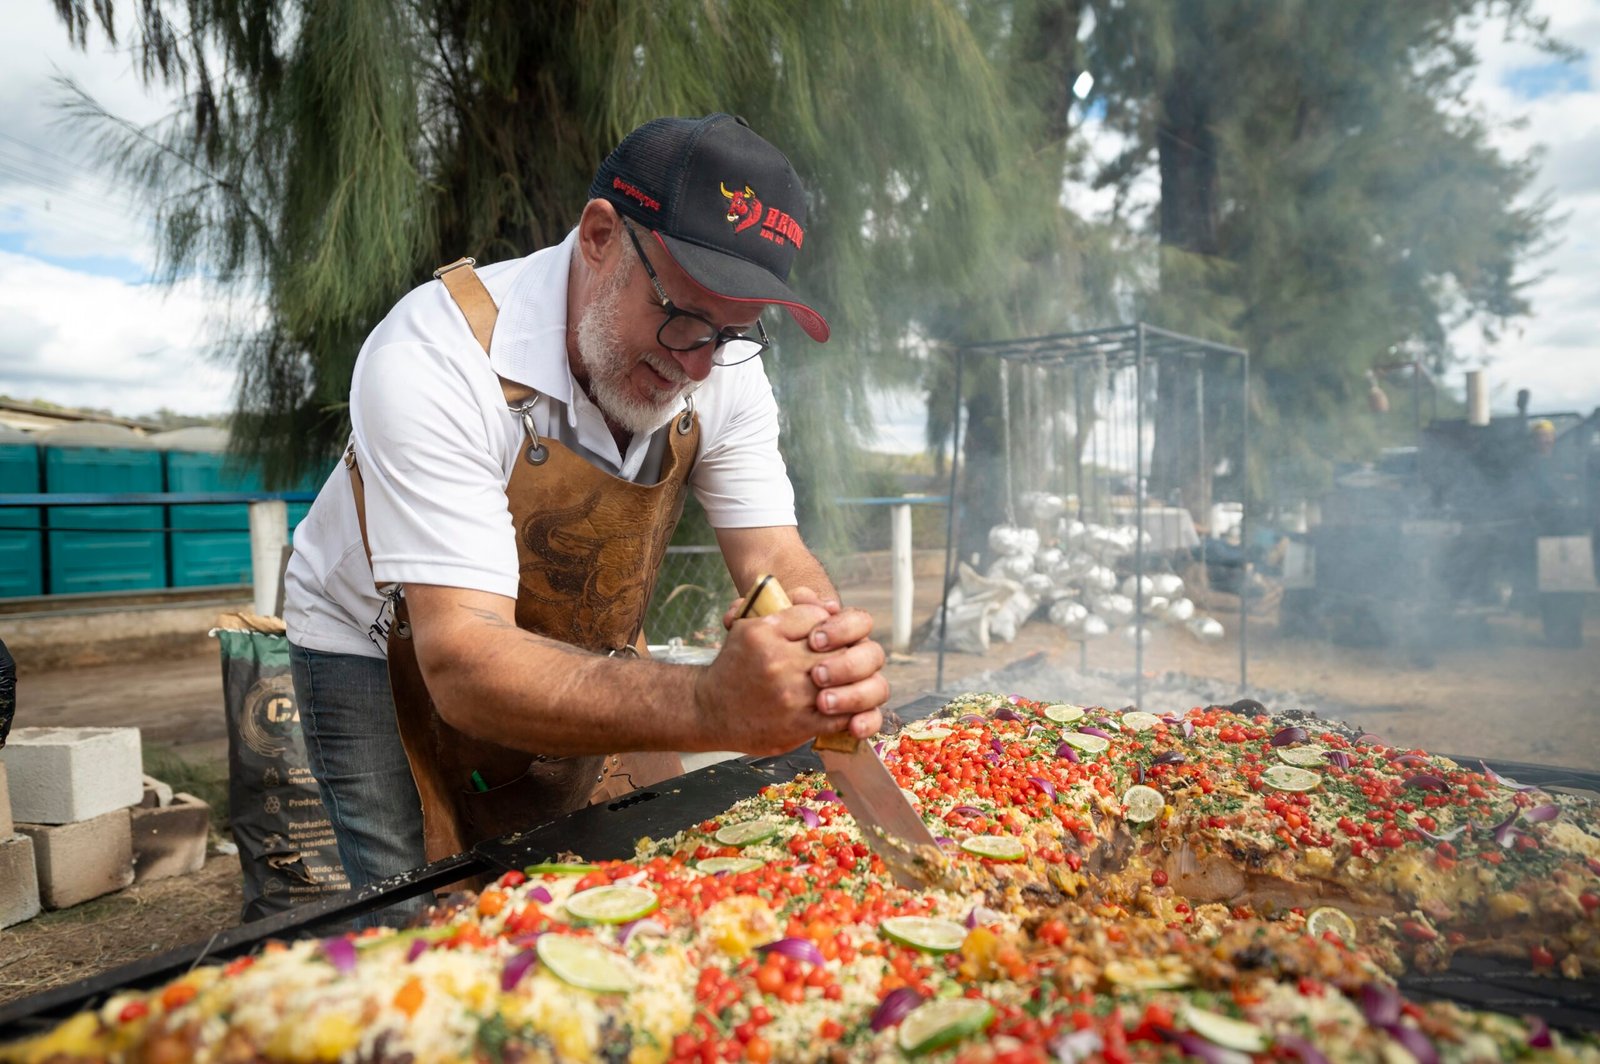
613	904
1328	918
927	933
1144	803
1225	1031
943	1022
1289	778
743	834
995	847
1138	721
733	865
559	868
1303	756
1063	712
585	963
925	734
1089	744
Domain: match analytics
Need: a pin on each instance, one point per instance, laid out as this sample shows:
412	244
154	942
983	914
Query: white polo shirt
437	445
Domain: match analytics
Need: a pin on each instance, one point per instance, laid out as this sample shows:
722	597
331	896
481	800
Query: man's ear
599	234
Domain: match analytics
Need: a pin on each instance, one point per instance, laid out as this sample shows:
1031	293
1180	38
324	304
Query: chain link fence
691	594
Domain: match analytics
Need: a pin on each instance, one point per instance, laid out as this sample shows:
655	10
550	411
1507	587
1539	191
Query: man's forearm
537	694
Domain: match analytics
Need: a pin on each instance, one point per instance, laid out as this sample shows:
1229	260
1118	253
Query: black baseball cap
724	203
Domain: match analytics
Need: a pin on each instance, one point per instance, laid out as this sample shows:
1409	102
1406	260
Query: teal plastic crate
102	548
211	541
21	540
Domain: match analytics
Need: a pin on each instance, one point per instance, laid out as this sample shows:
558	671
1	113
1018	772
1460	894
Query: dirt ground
1510	699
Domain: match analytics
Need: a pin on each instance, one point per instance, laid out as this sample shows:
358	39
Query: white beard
601	354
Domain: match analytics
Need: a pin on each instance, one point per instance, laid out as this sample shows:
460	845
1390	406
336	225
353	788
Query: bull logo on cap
744	209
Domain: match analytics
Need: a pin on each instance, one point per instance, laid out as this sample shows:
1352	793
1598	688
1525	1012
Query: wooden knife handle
768	597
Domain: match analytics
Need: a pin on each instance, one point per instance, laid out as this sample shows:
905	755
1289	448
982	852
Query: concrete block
170	840
7	828
84	860
157	795
19	880
65	775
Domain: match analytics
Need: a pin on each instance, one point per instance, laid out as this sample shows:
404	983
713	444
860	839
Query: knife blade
887	820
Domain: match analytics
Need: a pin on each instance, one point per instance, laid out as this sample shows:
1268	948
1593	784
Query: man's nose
696	363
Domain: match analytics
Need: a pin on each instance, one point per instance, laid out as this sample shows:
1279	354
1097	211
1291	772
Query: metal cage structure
1125	359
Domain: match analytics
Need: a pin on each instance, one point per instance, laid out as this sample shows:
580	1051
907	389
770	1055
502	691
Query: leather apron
589	549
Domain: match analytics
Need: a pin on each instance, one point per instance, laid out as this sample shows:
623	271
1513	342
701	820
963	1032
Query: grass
206	780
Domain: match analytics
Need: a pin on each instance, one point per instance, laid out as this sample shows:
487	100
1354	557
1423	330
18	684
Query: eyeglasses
683	331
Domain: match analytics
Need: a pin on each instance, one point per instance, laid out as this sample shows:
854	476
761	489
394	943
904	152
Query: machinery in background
1483	516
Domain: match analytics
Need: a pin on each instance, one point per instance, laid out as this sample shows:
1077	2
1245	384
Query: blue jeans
354	751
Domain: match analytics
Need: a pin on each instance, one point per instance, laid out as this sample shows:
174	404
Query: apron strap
477	306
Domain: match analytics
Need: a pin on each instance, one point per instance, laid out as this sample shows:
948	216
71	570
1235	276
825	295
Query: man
473	676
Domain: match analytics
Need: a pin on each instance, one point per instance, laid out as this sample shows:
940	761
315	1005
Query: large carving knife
890	825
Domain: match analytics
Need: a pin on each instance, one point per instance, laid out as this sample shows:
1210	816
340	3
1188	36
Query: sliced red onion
340	952
944	840
1538	1033
1076	1046
1289	736
1370	739
969	810
1541	813
539	894
1015	700
1301	1048
1006	713
1417	1044
895	1006
1338	757
1195	1046
1427	782
1033	729
801	949
647	926
1380	1003
827	797
1092	730
877	748
1502	832
418	947
1171	718
1138	774
1169	757
979	915
516	968
997	746
1044	785
1188	729
970	718
1505	781
633	880
1065	750
992	759
1411	760
1448	836
809	815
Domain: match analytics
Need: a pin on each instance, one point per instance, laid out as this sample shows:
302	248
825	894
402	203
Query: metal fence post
269	535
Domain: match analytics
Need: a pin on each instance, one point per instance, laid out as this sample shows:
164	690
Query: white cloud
1555	352
98	342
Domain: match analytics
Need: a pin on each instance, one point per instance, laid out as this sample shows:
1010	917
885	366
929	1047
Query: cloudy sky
80	323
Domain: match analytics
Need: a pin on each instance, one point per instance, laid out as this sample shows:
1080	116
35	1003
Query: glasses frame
720	337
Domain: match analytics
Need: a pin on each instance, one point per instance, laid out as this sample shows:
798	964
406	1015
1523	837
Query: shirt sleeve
740	477
426	436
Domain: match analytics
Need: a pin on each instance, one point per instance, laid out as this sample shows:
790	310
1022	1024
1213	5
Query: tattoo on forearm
494	620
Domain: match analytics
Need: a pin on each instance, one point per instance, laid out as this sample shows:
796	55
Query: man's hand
775	685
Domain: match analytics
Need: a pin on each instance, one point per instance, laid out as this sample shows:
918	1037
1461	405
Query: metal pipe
1138	517
1244	519
950	526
